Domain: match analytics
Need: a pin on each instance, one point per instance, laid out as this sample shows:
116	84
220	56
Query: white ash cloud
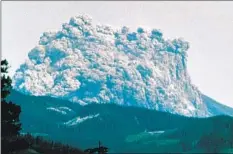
88	63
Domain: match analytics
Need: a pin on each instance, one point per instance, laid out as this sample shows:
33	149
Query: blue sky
208	26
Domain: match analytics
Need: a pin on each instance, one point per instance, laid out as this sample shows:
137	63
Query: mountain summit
88	63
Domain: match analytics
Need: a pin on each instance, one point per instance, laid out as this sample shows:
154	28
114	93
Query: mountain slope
88	63
122	129
216	108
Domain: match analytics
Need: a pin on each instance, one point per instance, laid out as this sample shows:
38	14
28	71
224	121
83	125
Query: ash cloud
87	63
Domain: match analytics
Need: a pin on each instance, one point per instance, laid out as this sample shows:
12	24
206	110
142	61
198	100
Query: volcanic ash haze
88	63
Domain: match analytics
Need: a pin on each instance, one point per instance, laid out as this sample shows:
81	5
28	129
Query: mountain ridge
217	108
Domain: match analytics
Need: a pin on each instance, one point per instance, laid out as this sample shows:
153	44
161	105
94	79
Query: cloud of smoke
88	63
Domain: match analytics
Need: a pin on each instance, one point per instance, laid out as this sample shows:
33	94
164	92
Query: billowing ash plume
86	64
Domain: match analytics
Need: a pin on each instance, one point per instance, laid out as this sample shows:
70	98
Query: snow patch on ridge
79	120
87	64
57	110
156	132
62	110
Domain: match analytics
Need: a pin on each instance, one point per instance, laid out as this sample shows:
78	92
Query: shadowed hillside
122	129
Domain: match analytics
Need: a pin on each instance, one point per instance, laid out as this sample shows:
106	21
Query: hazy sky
208	26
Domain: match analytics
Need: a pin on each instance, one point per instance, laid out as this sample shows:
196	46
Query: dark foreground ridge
28	144
122	129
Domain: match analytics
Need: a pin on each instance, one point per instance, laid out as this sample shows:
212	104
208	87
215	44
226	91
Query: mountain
121	128
216	108
87	63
